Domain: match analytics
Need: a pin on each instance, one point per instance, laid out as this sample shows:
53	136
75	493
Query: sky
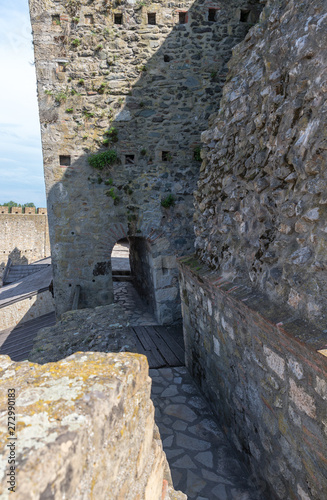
21	165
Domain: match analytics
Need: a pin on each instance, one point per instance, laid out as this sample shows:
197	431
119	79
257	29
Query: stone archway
154	271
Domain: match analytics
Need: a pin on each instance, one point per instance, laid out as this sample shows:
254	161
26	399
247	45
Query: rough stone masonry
254	296
85	430
261	200
136	81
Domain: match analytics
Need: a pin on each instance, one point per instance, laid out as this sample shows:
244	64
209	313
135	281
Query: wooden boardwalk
162	345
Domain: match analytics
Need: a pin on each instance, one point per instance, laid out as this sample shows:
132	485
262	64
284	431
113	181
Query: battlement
19	211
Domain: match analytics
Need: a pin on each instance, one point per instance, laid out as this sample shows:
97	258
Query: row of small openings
183	17
130	159
118	18
65	160
88	19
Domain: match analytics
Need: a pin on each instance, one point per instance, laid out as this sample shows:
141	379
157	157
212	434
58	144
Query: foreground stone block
85	429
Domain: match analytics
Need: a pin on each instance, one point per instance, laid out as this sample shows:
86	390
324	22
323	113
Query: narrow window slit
118	19
89	19
212	15
152	18
244	16
56	20
64	160
129	159
182	17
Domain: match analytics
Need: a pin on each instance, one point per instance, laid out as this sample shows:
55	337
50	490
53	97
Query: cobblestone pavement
203	463
138	312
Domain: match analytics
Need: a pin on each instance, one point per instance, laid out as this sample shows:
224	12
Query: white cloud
21	168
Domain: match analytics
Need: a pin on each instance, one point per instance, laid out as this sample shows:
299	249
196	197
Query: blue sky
21	166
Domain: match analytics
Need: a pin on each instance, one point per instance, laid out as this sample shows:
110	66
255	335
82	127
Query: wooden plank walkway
163	346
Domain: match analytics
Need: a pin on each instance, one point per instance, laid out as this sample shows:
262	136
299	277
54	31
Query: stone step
121	272
122	277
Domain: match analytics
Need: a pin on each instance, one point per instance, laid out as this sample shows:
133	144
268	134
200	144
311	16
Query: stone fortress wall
24	236
254	295
140	79
261	200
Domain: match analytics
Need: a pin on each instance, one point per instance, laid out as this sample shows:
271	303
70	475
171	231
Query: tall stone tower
125	89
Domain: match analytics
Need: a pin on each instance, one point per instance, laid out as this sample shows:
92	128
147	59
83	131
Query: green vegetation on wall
102	160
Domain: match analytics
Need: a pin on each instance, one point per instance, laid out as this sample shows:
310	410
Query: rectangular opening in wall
89	19
64	160
118	19
129	159
152	18
56	20
166	156
182	17
244	16
212	15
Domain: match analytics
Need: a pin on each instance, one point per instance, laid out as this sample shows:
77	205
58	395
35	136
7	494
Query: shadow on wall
16	258
124	96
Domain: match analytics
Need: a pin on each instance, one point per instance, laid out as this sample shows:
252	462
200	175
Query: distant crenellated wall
24	237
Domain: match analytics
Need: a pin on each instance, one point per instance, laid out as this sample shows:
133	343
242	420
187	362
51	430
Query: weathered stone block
84	429
302	399
275	362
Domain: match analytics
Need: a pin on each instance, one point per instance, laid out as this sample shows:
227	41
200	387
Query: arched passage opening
138	306
120	263
145	277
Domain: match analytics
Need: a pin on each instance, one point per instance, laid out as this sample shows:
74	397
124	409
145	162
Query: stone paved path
203	463
139	313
